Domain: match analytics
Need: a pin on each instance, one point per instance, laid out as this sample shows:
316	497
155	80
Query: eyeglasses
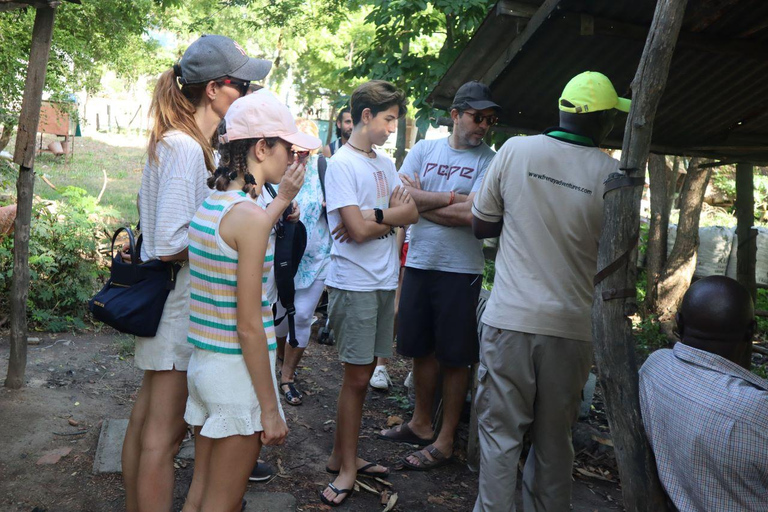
478	118
241	86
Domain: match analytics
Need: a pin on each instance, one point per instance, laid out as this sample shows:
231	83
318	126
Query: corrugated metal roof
716	99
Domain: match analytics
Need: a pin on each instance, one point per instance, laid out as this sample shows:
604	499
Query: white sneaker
380	378
409	380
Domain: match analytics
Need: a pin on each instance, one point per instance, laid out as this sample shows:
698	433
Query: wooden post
331	126
746	252
24	156
614	295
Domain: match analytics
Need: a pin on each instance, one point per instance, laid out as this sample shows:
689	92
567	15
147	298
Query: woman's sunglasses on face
301	155
293	154
241	86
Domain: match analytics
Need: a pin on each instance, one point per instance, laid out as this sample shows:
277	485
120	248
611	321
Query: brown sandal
425	464
403	434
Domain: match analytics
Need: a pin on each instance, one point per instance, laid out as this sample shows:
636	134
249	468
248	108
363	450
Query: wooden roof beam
589	25
537	20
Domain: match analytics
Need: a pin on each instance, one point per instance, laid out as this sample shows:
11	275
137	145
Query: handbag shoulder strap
131	241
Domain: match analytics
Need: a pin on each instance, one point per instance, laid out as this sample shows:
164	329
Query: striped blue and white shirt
707	421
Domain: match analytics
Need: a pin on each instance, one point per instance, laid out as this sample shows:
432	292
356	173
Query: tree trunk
401	123
746	252
663	185
681	263
615	287
331	126
5	137
24	155
656	252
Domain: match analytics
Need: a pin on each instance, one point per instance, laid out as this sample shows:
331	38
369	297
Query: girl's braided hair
234	162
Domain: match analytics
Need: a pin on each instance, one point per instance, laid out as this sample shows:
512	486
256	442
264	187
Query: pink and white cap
262	115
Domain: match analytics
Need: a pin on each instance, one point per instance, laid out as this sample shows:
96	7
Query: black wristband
379	214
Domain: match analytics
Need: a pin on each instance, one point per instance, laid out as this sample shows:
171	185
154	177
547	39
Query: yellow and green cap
591	92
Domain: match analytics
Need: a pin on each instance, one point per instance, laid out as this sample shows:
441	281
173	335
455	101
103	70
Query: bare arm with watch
362	225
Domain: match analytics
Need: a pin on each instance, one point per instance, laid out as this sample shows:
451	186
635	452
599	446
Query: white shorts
221	395
305	302
169	348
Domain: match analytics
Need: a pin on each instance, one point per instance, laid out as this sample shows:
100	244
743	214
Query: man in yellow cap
544	196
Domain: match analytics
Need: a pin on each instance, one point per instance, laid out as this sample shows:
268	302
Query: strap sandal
292	395
426	464
403	434
364	471
338	492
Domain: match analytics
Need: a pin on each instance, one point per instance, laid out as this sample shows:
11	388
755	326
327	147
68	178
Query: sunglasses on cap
477	117
241	86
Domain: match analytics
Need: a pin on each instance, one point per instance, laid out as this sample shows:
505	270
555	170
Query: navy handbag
133	299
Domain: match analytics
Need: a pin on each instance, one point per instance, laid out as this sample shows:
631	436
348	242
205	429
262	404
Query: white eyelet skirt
169	348
221	395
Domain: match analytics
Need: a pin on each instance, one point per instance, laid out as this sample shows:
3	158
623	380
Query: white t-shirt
443	169
172	189
549	194
354	179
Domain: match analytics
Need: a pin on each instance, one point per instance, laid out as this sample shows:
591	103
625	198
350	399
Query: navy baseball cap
474	95
212	57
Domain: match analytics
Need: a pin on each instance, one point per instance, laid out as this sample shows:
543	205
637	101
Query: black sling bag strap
322	166
290	243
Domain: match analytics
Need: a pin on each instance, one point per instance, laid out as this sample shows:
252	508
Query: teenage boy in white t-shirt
365	203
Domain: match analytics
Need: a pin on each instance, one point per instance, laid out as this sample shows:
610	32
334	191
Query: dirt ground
74	382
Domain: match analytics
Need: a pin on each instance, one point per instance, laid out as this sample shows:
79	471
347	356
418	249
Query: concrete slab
108	457
269	502
187	451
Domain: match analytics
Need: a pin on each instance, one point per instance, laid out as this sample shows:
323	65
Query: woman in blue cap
188	103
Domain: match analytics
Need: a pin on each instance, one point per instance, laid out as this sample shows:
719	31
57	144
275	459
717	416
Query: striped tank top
213	280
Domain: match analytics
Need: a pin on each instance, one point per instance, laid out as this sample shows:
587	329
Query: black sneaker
262	473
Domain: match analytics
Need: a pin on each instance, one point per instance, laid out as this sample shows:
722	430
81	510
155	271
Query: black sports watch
379	213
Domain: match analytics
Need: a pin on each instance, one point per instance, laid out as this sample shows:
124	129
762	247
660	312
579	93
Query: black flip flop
404	434
292	394
338	492
363	471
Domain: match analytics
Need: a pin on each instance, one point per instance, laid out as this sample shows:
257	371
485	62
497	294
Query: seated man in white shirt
704	412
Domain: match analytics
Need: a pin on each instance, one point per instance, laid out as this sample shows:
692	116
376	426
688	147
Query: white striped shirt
172	189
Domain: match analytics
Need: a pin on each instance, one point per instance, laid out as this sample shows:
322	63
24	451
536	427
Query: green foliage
724	180
762	303
126	346
489	273
436	31
86	38
399	398
63	265
649	337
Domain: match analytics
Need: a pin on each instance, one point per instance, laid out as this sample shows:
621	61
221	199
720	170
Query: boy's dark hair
338	120
377	95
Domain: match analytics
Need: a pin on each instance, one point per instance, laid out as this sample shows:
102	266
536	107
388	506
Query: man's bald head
717	315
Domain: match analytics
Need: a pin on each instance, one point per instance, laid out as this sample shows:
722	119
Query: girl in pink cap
233	395
188	103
